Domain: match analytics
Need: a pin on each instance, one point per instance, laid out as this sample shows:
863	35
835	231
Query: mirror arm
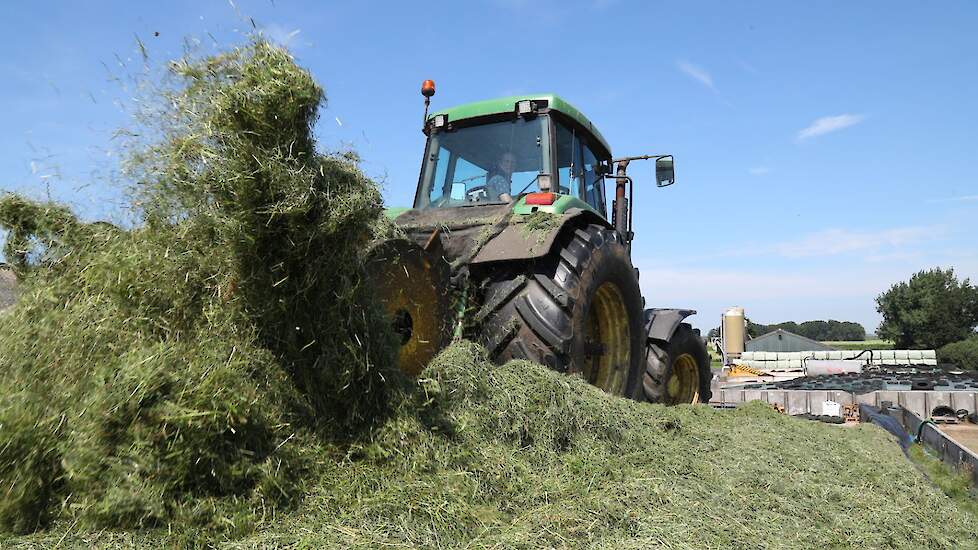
641	157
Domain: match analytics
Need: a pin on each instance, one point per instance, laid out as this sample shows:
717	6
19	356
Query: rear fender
517	242
661	324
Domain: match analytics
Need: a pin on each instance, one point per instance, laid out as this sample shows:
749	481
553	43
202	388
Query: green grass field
860	344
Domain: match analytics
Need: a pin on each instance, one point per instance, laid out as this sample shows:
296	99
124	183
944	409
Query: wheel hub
684	384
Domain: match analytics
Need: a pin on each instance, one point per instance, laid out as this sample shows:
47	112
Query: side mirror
664	173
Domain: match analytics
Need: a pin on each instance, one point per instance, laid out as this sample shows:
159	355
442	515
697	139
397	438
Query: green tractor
510	243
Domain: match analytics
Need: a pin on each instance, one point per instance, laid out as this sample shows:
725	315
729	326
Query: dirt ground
965	434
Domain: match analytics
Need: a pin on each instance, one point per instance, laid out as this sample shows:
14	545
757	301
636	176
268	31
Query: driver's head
506	163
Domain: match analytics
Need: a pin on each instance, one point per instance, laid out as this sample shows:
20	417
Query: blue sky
824	150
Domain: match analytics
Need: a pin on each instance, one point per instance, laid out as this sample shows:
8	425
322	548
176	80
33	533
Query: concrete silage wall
795	402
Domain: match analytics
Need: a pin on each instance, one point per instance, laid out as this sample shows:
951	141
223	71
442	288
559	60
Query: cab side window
593	182
568	161
578	169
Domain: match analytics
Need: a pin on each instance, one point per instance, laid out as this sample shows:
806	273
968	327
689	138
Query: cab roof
507	105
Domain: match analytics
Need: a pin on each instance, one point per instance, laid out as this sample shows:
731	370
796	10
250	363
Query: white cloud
829	124
770	295
733	285
759	171
696	73
874	246
805	287
965	198
839	241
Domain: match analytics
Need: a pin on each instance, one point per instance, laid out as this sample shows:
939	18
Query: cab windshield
485	164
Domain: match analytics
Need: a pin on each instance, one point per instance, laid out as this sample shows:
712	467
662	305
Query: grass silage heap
175	372
219	373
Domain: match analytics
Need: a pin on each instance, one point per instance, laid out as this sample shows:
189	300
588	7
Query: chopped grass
175	373
8	287
520	456
957	485
218	375
540	224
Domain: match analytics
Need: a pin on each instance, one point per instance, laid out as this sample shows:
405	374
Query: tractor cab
496	152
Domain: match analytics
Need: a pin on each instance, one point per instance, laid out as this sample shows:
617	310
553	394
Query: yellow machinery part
413	286
744	370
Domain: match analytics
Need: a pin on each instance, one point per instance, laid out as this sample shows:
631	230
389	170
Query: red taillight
541	199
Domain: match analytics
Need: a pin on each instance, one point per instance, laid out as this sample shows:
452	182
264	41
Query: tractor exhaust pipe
620	216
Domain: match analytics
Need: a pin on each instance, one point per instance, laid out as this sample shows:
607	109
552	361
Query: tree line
816	330
933	310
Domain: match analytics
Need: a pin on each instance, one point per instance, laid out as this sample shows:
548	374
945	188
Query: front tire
578	310
678	371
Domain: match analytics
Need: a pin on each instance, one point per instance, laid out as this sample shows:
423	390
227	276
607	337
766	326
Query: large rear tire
577	310
678	371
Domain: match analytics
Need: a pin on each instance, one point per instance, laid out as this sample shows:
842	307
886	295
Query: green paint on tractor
393	212
505	105
561	205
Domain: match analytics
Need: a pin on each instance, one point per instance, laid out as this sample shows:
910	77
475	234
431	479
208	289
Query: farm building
782	340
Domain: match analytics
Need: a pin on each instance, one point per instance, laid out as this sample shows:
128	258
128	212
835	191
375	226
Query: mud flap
661	324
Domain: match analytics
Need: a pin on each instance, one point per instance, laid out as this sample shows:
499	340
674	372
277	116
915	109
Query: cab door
591	180
577	167
567	146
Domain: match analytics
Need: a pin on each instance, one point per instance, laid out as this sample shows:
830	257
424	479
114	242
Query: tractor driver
501	178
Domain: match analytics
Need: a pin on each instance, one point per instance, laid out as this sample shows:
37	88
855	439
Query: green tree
816	330
754	329
963	354
929	311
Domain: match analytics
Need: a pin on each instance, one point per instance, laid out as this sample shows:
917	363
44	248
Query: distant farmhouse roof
782	340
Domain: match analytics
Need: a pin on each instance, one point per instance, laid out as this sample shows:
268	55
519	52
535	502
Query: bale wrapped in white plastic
833	366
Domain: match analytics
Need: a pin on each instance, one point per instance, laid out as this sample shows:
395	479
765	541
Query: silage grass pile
219	374
174	372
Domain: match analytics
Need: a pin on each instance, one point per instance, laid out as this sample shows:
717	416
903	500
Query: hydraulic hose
920	429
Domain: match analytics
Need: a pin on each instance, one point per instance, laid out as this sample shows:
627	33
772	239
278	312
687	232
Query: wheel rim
409	285
608	353
684	384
